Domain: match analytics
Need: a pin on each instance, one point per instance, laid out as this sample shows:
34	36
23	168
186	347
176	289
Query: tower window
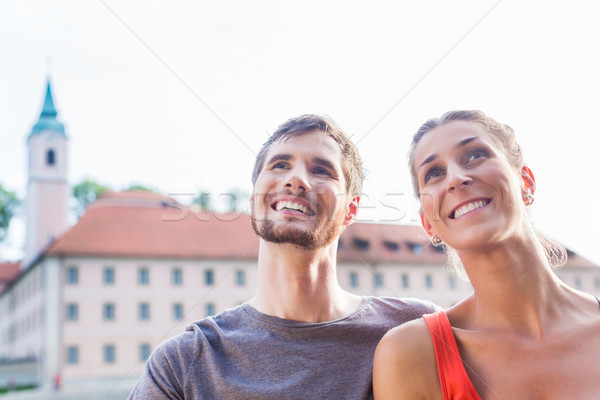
50	157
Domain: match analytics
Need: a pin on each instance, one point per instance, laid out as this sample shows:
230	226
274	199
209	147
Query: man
301	336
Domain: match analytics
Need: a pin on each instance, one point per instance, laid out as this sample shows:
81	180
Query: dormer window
361	244
50	157
415	247
391	246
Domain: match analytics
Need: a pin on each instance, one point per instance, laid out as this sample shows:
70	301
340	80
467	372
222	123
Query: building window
144	311
72	312
360	244
240	277
50	157
452	282
108	276
353	279
428	281
72	355
143	276
144	351
378	280
405	281
177	276
109	311
415	247
209	277
210	309
109	354
391	246
177	311
72	275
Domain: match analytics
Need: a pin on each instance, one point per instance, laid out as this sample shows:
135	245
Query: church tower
48	192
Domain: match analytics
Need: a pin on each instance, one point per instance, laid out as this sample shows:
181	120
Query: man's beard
309	239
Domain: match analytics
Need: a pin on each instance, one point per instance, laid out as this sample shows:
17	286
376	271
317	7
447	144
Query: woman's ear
528	179
426	224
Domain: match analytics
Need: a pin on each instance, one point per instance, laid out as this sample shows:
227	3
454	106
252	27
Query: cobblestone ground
93	390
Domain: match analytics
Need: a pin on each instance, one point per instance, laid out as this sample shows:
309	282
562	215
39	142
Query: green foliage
140	188
8	203
87	191
204	200
235	200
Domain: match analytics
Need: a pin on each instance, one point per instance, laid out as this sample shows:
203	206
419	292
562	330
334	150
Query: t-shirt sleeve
166	370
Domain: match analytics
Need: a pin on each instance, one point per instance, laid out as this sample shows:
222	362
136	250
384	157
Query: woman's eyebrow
460	144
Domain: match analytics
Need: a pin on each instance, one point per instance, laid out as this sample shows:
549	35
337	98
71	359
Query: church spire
47	120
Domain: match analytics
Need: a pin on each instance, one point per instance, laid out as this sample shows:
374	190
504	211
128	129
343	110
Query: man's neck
301	285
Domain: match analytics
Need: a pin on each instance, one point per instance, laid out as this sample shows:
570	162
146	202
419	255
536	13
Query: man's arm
166	370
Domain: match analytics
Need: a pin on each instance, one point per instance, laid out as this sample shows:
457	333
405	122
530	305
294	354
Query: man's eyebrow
323	162
460	144
279	157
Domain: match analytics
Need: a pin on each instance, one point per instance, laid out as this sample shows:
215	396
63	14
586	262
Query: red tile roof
8	271
143	224
149	225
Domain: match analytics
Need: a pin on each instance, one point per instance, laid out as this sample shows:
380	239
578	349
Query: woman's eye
280	164
432	173
476	154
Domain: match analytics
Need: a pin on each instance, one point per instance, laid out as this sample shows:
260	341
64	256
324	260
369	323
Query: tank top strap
454	380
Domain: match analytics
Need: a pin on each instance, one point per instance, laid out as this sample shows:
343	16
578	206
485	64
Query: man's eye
321	171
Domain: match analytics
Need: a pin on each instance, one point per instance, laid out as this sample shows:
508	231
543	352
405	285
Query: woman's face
471	197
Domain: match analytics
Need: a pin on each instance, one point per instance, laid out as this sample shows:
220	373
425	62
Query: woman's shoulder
405	363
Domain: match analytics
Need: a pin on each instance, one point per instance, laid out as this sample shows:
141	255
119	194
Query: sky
180	95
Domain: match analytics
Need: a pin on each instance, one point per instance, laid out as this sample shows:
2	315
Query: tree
204	200
140	188
85	192
8	203
236	200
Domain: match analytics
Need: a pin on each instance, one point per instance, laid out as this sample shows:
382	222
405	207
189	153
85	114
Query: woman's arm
404	365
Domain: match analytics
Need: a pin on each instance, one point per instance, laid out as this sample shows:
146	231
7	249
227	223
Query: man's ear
351	211
426	224
528	179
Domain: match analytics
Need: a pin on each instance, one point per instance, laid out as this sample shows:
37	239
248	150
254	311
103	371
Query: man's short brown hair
351	161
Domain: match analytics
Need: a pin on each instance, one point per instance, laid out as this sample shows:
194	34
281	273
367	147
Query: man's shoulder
401	309
204	330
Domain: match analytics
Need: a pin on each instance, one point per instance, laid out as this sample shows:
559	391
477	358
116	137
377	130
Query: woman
523	334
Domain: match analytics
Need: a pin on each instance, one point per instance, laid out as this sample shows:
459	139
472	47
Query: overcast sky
180	95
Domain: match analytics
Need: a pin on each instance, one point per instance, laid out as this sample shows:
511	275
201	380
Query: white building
93	300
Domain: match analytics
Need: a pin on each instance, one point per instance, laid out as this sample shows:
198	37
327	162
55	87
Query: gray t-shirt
245	354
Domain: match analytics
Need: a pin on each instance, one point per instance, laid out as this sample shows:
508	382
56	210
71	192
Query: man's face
300	195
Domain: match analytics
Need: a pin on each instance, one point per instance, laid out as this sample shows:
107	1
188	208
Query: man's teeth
469	207
289	205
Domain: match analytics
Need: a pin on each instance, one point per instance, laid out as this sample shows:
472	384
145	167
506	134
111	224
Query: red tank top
454	380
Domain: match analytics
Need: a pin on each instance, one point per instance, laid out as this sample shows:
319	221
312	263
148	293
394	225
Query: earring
435	240
528	200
